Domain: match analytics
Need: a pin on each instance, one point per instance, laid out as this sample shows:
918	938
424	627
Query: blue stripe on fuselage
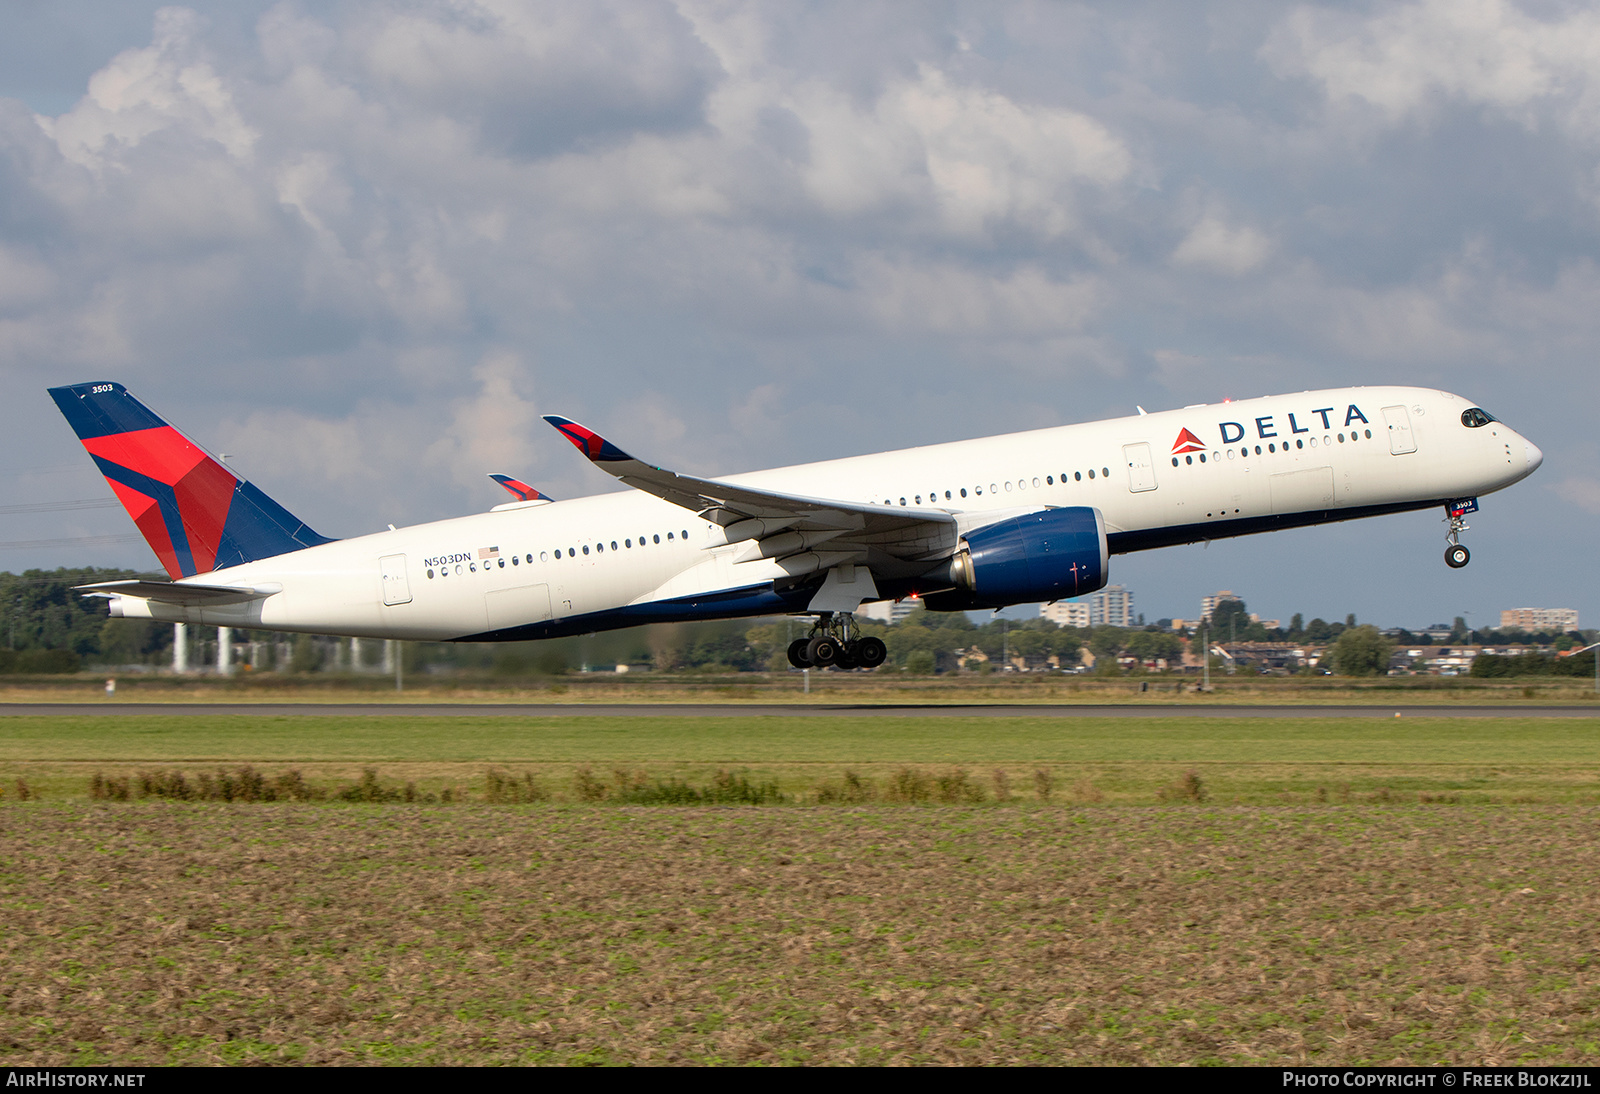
728	604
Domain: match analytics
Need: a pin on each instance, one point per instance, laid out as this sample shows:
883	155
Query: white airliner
1020	518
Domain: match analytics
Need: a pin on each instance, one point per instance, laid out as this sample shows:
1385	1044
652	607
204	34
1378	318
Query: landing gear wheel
797	653
871	652
822	650
1456	556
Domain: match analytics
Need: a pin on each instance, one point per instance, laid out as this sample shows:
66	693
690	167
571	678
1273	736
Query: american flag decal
488	552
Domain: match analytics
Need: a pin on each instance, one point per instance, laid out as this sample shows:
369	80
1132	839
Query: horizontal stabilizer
519	489
169	592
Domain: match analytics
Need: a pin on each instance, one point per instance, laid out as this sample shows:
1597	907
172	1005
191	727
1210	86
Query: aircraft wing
902	532
171	592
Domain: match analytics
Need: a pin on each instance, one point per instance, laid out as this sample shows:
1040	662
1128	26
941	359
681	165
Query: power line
60	506
25	544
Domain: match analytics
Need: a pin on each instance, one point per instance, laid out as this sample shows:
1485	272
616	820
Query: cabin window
1313	442
1091	472
585	548
1174	461
657	538
994	488
1202	460
1036	482
1368	432
600	548
902	501
502	564
1299	444
947	495
1077	476
1008	486
1341	438
515	561
683	534
430	575
918	499
613	545
1049	480
542	557
1106	472
669	535
963	491
1230	454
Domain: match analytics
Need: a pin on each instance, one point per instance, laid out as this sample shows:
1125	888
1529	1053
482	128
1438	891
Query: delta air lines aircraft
983	523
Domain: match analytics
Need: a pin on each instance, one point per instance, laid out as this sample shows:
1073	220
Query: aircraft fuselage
542	569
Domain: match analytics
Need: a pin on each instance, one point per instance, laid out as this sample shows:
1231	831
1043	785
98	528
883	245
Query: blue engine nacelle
1049	555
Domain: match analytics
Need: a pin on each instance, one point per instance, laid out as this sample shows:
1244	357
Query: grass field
788	687
1241	760
1096	890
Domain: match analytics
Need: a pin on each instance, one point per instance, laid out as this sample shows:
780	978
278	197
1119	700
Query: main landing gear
835	640
1455	555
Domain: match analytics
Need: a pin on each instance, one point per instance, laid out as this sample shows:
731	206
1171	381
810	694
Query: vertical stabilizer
196	514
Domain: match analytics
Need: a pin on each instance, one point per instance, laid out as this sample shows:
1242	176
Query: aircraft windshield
1474	417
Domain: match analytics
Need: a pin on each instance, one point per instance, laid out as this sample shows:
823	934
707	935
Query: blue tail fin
196	514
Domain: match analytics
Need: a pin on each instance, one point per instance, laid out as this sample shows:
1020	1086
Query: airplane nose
1535	457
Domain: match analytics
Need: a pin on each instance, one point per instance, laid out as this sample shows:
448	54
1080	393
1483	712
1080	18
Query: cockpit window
1473	417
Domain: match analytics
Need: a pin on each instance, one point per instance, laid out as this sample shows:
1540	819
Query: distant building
1208	604
1111	607
1539	619
1067	613
889	611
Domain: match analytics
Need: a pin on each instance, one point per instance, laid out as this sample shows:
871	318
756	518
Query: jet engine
1049	555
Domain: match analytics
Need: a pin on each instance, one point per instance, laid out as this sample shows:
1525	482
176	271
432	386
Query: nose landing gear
835	640
1455	555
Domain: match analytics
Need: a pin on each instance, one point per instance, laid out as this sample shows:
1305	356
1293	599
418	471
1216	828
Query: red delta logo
1187	442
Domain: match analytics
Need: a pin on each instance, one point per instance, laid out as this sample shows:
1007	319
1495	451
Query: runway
780	710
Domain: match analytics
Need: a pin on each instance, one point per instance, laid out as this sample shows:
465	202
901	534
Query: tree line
46	626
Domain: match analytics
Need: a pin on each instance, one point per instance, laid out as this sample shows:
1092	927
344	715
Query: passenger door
1141	468
396	589
1400	439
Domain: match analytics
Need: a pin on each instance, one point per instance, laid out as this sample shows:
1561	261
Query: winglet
521	490
587	441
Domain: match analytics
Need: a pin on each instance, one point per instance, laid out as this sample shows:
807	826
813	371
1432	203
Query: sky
361	247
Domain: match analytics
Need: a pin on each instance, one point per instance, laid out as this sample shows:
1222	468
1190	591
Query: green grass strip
841	740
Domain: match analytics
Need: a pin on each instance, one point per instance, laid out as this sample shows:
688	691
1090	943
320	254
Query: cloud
165	87
1212	244
1579	490
1410	59
367	241
950	299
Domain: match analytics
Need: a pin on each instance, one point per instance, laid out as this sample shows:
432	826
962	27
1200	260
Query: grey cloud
372	241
